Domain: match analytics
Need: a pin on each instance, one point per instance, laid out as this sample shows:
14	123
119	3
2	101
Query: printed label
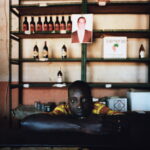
51	27
45	53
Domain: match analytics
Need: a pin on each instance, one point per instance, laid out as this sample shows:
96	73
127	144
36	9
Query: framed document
115	47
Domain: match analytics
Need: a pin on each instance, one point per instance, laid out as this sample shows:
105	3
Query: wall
116	72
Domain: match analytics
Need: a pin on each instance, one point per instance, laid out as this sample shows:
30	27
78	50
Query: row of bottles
45	52
53	27
64	52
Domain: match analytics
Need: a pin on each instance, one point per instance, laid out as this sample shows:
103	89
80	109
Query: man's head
80	99
81	23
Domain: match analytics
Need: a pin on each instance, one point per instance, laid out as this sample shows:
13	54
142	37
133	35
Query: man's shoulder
97	103
75	32
88	31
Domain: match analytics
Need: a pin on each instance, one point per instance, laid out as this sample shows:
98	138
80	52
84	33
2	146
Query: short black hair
81	18
80	85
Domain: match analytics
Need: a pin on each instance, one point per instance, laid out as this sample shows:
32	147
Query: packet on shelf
102	2
43	4
43	59
59	85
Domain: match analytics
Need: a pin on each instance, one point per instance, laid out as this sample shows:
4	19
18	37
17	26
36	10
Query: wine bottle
69	24
45	51
36	52
45	24
32	25
59	76
63	25
25	25
39	24
57	25
51	25
141	51
64	52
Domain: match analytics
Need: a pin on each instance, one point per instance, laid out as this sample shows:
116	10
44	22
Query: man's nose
79	105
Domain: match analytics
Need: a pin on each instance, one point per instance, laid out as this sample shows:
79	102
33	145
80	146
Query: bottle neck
32	19
45	19
39	19
57	19
51	19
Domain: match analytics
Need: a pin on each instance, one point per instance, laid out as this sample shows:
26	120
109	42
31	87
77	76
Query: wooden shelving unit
68	9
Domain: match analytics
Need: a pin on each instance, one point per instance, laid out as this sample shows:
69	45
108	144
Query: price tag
95	99
101	3
108	85
27	32
42	4
26	85
43	59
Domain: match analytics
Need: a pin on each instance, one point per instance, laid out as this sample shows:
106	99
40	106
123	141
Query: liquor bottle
69	24
64	51
45	24
51	25
39	24
36	52
25	25
45	51
63	25
59	76
57	25
32	25
141	51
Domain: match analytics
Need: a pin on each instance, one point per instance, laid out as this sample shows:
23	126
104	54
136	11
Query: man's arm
62	109
100	108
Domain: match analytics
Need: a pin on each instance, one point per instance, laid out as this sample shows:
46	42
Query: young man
81	35
80	102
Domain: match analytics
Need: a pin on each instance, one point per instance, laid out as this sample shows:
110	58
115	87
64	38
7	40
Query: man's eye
72	100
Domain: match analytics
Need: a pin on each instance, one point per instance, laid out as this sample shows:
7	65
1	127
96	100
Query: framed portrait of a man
82	28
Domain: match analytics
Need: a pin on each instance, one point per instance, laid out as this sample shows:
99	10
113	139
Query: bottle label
32	28
25	27
142	54
64	54
45	53
62	27
57	27
35	53
51	27
69	27
45	27
39	27
59	79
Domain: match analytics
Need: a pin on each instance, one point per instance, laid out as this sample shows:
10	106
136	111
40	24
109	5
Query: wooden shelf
138	60
121	85
127	33
40	35
93	85
28	60
110	8
96	34
120	8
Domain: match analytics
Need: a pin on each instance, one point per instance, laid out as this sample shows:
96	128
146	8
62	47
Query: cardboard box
139	100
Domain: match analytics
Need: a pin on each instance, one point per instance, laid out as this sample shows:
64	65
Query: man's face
80	103
81	24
